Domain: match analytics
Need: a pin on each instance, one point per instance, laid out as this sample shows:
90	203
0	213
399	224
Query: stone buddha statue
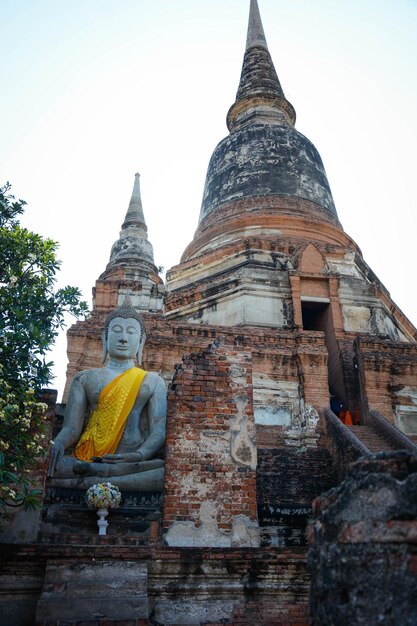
127	425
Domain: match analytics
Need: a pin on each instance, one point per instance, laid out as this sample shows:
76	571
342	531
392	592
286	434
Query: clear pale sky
94	90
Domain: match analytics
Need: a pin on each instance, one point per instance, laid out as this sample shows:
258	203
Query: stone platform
184	587
66	515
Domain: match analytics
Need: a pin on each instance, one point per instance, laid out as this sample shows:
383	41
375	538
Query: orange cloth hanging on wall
107	422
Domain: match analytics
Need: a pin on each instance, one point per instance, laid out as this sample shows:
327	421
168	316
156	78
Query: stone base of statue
67	519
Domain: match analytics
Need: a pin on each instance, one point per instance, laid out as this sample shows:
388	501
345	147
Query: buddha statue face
123	338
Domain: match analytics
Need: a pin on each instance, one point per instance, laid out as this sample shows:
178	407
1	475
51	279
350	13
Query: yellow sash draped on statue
107	422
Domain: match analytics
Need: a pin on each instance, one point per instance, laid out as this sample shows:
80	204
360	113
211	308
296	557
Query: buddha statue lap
127	425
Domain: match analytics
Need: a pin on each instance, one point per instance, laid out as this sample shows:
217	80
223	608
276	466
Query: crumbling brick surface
363	545
210	447
294	356
293	476
287	481
387	370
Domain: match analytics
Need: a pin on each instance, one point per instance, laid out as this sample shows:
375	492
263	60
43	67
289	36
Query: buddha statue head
135	333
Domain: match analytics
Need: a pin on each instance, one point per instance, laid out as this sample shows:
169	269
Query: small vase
102	522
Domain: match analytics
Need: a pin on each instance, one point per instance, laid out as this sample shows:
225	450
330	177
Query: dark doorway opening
318	316
315	315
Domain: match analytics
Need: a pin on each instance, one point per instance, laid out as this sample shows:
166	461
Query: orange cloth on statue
107	422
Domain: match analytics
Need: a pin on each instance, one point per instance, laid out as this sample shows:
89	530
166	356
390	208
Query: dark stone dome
265	160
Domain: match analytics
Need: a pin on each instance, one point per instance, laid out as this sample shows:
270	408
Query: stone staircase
373	440
347	444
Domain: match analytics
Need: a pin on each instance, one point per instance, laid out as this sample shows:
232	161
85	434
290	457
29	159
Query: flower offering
103	496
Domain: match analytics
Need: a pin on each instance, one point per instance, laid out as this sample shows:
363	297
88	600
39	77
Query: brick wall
290	476
385	369
210	451
287	482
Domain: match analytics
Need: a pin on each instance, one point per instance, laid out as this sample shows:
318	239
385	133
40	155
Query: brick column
313	357
210	468
295	283
335	304
375	377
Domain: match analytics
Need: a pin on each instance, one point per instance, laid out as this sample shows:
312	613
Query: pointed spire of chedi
260	97
133	247
256	36
134	215
264	163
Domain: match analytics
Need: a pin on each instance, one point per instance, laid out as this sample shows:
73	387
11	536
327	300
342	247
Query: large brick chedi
270	312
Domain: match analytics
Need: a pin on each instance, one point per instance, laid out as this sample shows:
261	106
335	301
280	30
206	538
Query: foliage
103	495
21	438
32	312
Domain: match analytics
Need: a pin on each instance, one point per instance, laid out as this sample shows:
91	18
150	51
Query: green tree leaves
32	311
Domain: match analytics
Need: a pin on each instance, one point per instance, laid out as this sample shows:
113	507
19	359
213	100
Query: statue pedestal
66	517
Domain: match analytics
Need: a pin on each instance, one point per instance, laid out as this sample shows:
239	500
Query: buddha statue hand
57	453
126	457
